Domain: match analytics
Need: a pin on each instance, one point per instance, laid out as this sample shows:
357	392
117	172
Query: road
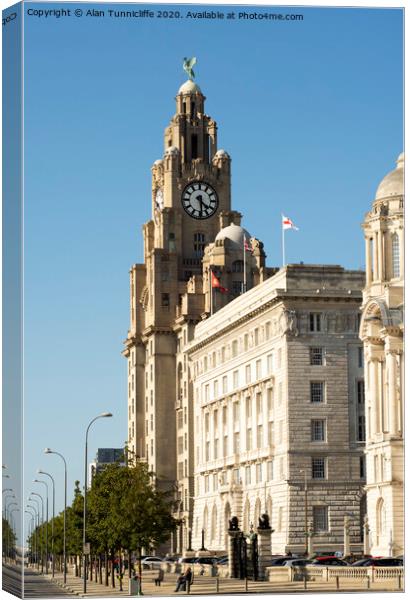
35	586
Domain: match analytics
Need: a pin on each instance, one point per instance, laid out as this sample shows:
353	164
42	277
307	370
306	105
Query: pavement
202	585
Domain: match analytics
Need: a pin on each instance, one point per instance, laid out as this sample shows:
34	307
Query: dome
189	87
234	233
393	182
221	154
158	162
172	150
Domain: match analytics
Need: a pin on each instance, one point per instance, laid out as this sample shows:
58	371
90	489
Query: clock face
199	200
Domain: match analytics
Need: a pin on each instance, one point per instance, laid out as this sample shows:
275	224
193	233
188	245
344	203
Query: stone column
373	389
376	256
391	365
346	536
369	265
310	548
264	551
366	537
380	240
233	562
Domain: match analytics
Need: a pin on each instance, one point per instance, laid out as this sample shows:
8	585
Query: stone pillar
366	536
233	561
391	365
380	240
346	536
369	266
264	551
376	275
373	389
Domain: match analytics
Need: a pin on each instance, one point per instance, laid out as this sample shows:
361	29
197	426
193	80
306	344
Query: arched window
395	252
380	517
199	244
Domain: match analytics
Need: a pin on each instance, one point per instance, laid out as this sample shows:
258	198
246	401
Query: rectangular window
247	475
316	391
234	348
269	470
216	388
258	369
271	432
258	472
248	404
216	448
360	357
319	468
245	342
259	405
215	482
207	392
206	484
223	354
224	384
256	337
235	379
260	436
362	467
318	430
316	356
269	363
206	423
236	477
361	428
236	413
225	445
165	299
360	391
320	518
224	478
248	373
315	322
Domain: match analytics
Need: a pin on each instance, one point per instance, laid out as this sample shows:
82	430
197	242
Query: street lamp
44	483
101	416
52	522
8	530
42	524
36	517
7	516
49	451
30	533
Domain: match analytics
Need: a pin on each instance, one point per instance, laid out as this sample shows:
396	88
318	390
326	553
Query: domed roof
221	153
393	183
234	233
158	162
189	87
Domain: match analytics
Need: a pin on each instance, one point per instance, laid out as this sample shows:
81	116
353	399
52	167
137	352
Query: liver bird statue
187	66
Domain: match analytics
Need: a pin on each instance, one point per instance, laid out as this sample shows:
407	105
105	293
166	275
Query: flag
288	224
217	284
247	246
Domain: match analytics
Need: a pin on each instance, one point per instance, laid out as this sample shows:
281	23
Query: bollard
188	587
217	585
368	582
337	582
399	581
305	581
246	584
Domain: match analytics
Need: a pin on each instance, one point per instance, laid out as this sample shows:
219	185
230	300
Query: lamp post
30	532
11	512
36	518
49	451
44	483
306	513
101	416
42	524
52	522
7	513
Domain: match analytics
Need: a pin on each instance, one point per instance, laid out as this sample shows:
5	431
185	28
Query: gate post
264	545
233	547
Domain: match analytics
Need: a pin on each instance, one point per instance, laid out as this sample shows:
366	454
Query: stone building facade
382	333
277	381
198	262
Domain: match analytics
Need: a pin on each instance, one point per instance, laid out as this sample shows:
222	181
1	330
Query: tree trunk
106	568
100	569
129	563
112	568
140	568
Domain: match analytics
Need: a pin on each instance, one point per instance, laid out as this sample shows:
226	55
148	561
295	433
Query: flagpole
244	265
283	243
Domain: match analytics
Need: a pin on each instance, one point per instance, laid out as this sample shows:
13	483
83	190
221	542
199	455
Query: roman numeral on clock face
199	200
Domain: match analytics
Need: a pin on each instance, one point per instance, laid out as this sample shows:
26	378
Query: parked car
378	562
205	560
190	559
329	561
297	562
222	561
151	561
278	561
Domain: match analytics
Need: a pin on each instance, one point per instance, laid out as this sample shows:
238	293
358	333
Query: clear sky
310	112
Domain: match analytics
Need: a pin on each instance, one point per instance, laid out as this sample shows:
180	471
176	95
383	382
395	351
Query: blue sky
310	112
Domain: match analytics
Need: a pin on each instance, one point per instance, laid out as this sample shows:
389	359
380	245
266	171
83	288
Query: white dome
221	153
393	182
234	233
189	87
158	162
172	150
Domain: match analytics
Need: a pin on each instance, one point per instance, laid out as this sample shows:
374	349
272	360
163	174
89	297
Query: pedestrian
184	579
